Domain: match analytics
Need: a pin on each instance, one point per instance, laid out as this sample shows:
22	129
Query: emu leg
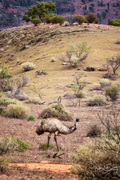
56	142
49	136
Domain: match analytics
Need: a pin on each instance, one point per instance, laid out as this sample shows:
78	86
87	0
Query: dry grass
102	47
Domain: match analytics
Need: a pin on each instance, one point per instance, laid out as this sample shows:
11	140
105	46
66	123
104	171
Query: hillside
11	12
40	45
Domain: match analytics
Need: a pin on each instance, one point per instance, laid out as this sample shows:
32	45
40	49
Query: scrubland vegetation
63	72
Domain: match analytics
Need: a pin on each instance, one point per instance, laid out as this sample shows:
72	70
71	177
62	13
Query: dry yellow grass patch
102	43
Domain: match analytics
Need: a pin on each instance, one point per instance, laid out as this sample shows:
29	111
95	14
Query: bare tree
114	63
111	138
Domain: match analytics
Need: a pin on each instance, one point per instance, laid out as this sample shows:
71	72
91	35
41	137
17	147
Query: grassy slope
102	43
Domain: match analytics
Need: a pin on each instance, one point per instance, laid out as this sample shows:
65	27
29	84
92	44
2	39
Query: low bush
74	62
17	111
1	111
80	19
6	101
97	100
92	163
100	159
5	84
97	87
35	100
27	66
44	146
31	118
3	165
94	131
56	19
115	22
113	92
4	71
8	145
36	21
21	96
21	145
105	83
56	110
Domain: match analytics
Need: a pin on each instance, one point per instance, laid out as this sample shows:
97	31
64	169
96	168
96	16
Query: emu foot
58	155
54	155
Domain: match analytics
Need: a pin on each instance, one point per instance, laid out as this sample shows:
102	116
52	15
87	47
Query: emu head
77	120
39	130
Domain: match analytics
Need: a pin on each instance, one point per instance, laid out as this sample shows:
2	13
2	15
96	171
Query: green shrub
21	145
27	66
113	92
17	111
91	17
77	90
57	19
80	19
97	100
5	84
6	101
44	146
36	21
1	111
47	18
56	110
105	83
31	118
90	162
115	22
4	70
8	145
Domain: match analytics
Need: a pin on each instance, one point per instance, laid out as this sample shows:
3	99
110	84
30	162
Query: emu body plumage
54	126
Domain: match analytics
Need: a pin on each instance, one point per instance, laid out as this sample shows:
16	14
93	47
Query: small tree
76	54
114	63
78	86
40	10
36	21
91	17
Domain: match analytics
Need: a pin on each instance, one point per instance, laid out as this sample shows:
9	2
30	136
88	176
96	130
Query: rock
89	68
53	59
75	24
64	63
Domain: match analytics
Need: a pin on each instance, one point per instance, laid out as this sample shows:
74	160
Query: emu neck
73	128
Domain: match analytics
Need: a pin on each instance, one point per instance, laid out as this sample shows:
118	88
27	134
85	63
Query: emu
55	126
